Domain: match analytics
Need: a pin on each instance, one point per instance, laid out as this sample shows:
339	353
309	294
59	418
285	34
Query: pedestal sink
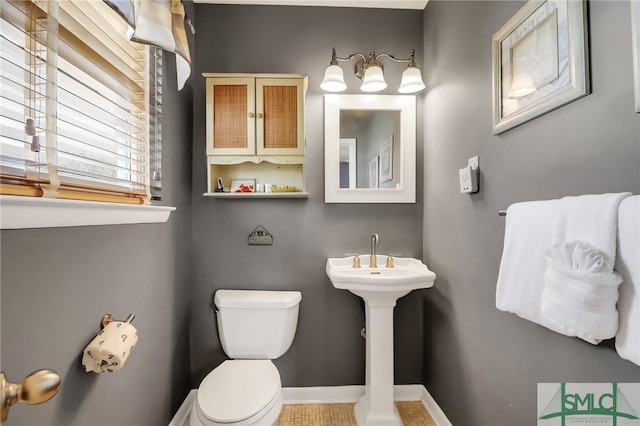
380	287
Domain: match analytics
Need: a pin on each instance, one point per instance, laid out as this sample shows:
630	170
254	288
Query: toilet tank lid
264	299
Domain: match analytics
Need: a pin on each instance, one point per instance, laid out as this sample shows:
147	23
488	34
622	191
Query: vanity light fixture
370	71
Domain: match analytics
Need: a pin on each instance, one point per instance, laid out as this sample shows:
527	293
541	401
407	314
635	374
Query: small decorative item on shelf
220	186
243	185
284	188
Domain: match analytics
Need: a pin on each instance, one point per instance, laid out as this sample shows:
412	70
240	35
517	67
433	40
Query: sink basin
407	274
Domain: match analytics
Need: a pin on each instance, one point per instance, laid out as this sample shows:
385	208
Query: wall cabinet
251	120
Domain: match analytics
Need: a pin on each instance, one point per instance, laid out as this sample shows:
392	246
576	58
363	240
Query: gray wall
328	349
57	284
482	365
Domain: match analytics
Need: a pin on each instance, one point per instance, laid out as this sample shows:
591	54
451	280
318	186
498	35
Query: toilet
254	327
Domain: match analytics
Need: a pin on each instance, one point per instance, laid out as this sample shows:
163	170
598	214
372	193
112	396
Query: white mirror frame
406	190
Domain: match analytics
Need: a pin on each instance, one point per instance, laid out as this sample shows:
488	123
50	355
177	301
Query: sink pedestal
380	287
377	406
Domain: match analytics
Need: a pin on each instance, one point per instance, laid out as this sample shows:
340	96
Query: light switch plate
474	162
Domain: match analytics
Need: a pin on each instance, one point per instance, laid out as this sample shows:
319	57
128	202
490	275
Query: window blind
155	120
75	92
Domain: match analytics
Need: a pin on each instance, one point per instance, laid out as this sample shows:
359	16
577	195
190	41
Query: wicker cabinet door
230	116
279	116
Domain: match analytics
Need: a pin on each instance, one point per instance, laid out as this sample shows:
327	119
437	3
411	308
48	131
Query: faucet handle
356	261
390	262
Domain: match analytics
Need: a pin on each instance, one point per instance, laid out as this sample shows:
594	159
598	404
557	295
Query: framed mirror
370	148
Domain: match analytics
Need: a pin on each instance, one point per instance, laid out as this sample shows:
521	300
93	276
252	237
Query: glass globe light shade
333	79
373	80
411	81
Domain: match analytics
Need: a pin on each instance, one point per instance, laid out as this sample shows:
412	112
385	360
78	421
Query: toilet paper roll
109	350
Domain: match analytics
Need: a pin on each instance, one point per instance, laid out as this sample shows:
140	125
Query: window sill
28	212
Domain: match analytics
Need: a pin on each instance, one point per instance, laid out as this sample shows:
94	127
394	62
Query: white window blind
76	103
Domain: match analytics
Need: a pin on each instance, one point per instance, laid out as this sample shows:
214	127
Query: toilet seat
237	391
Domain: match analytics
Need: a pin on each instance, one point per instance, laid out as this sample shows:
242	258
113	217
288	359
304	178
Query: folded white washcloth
580	292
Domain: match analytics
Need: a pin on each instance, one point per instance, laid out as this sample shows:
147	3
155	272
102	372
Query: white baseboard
334	395
181	418
434	409
322	395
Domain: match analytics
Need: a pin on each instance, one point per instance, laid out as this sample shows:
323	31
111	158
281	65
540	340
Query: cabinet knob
251	115
259	115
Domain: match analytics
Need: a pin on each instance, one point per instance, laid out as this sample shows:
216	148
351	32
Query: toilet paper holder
107	318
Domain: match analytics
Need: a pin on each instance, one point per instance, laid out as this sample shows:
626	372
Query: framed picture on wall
635	34
373	172
540	61
386	160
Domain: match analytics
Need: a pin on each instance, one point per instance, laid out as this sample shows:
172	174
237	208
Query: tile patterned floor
412	413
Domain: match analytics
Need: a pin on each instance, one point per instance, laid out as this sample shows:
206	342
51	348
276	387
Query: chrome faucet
373	262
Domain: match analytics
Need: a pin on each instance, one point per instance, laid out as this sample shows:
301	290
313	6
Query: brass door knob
251	115
38	387
259	115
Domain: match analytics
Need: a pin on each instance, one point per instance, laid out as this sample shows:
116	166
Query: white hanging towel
628	265
532	228
109	350
161	23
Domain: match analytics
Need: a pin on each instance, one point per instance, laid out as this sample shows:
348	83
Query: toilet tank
256	324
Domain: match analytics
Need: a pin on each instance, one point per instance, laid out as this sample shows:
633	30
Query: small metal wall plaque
260	237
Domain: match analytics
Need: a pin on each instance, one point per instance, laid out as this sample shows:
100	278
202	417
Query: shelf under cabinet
264	172
255	195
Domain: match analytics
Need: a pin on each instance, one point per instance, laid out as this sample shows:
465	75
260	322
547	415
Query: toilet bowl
239	392
254	327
